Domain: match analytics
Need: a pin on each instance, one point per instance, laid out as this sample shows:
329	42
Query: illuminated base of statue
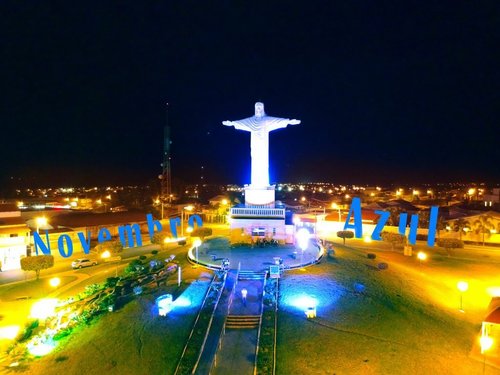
259	196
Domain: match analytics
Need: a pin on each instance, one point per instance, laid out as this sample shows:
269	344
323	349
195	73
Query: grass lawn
369	322
133	339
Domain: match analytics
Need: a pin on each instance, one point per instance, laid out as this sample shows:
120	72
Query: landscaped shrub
143	257
154	252
371	256
182	242
345	234
26	334
111	282
393	238
450	243
383	266
421	237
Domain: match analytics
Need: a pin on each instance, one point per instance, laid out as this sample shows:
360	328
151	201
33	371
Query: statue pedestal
259	196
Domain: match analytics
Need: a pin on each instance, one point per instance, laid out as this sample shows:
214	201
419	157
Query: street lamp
187	208
336	207
486	343
462	286
421	256
40	222
196	244
55	282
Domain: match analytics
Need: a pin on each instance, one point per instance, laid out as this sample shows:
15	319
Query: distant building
14	237
492	198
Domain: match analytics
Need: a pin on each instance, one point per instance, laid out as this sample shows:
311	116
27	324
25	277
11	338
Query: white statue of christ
259	127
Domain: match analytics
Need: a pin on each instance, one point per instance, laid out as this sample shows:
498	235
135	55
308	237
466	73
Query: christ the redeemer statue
259	127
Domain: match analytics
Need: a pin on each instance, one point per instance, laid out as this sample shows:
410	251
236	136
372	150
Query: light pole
486	343
40	222
421	256
336	207
462	287
187	208
196	244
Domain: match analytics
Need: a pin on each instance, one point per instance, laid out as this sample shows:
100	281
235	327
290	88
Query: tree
483	225
114	247
393	238
459	225
37	263
201	232
440	225
345	234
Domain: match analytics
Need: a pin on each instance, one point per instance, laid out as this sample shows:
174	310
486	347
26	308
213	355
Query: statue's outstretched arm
279	123
237	125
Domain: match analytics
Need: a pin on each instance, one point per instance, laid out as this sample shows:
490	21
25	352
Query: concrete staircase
242	321
251	275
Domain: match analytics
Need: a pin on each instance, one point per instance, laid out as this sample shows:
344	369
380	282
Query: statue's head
259	109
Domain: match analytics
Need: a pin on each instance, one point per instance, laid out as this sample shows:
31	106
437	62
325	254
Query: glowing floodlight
367	239
189	229
486	343
40	348
164	303
463	286
44	308
9	332
197	243
106	254
302	237
421	256
55	282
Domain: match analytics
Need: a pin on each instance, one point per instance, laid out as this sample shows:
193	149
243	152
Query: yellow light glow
367	239
20	203
347	196
189	208
9	332
372	194
197	243
335	206
41	221
416	192
429	191
55	282
421	255
73	204
157	201
106	254
398	193
108	196
463	286
224	202
98	201
189	229
486	343
493	291
471	191
303	199
44	308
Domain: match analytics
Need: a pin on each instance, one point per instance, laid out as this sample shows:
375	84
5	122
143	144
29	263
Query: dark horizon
394	93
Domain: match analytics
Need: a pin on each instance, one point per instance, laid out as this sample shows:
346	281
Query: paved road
64	265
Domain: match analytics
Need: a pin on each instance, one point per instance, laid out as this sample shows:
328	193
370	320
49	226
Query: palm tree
483	225
459	225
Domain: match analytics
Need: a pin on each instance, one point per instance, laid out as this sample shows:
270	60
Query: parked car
84	262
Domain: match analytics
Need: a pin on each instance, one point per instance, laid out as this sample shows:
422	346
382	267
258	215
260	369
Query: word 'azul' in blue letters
355	212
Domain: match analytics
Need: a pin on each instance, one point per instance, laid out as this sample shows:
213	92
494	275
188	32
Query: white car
84	262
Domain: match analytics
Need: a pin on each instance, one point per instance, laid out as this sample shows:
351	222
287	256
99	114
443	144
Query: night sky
387	92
